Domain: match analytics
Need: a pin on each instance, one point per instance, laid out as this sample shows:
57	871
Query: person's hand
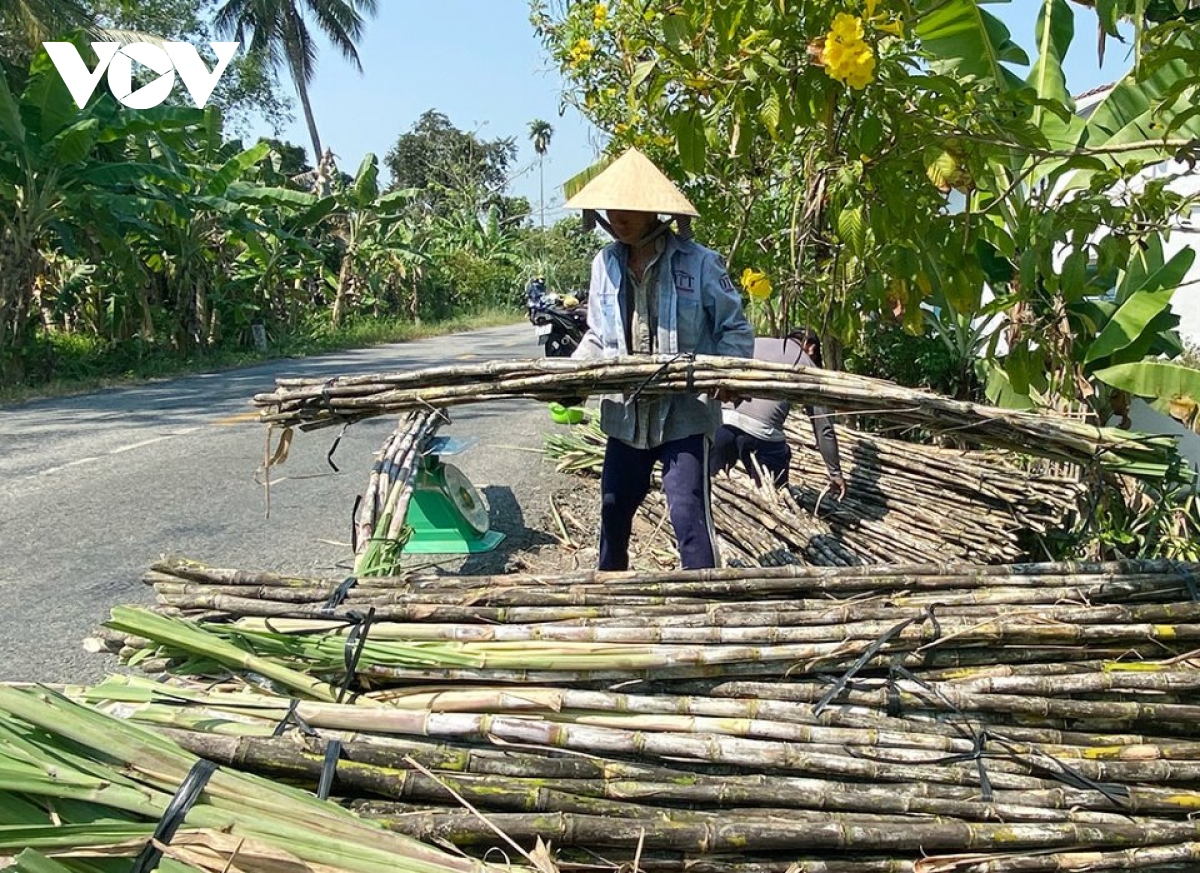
837	486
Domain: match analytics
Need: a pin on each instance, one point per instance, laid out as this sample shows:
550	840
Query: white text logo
166	59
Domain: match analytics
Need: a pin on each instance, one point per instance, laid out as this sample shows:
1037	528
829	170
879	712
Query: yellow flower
895	27
846	28
581	52
599	15
846	56
756	284
871	4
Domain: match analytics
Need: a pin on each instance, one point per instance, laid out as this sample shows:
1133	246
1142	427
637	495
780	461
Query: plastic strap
355	640
291	717
333	751
1188	579
185	798
354	524
333	448
872	650
681	356
338	597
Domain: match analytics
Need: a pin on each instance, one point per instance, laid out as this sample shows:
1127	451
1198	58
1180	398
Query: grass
75	364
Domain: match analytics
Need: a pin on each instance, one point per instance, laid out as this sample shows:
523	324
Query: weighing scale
446	514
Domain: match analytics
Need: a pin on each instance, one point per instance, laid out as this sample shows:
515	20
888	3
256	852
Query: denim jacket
699	311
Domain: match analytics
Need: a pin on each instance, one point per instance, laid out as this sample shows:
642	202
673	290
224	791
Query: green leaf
236	167
960	37
999	389
75	143
1171	387
769	112
10	116
690	139
641	71
1055	30
366	181
246	192
677	32
852	230
1140	307
575	184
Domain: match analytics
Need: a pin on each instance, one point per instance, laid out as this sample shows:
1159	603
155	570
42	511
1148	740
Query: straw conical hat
632	182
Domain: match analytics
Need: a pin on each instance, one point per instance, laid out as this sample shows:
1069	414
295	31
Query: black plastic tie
872	650
338	597
354	524
333	448
649	380
355	641
333	751
185	798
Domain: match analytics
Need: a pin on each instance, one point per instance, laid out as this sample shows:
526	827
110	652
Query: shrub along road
93	488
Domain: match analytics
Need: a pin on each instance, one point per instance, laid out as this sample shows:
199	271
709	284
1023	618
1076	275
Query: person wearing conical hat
654	291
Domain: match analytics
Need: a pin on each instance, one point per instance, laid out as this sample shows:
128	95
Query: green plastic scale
446	514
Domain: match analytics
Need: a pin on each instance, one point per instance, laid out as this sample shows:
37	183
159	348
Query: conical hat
632	182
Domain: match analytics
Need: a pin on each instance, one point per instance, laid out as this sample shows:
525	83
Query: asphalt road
94	488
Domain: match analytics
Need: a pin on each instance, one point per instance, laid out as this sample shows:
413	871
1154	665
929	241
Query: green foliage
918	361
439	160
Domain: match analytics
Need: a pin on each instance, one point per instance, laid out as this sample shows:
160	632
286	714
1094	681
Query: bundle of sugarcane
80	786
316	403
906	503
593	628
719	775
379	529
869	715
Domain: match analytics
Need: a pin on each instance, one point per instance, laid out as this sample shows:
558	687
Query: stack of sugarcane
312	403
379	529
906	502
957	717
81	791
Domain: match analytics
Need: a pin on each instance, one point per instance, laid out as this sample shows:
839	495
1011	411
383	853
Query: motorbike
559	321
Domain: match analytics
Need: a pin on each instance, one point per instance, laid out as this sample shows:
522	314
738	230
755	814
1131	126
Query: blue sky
479	63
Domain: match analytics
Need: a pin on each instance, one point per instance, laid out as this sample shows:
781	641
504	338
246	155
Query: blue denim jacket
699	311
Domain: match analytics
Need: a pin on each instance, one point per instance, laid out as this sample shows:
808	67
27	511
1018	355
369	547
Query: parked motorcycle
559	321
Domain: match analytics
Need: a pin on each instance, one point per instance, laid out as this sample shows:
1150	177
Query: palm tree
24	24
279	29
540	133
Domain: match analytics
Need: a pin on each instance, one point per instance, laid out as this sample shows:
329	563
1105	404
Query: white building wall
1147	420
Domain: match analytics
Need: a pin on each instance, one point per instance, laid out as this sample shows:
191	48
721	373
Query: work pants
732	444
625	482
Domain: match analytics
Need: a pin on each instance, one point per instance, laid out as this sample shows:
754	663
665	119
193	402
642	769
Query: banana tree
57	165
372	235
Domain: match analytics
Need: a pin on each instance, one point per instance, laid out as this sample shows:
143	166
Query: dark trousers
733	444
625	482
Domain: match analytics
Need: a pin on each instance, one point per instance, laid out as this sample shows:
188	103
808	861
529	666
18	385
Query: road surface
93	488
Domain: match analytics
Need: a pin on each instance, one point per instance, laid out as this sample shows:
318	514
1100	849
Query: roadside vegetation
145	243
920	184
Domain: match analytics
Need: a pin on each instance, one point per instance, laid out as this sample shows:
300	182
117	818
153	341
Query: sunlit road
94	488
